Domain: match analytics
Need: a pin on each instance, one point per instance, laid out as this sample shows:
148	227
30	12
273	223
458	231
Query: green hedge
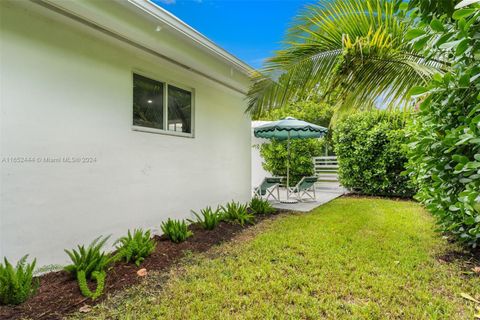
445	134
371	152
274	153
275	157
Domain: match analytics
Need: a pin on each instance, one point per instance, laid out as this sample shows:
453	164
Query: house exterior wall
66	92
258	173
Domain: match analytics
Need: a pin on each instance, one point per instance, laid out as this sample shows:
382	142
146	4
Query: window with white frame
161	106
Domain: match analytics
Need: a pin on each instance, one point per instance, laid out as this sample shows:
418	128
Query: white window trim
166	83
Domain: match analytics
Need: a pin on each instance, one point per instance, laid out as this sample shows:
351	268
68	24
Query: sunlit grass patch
352	258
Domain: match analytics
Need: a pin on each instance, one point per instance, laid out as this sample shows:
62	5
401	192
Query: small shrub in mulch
58	294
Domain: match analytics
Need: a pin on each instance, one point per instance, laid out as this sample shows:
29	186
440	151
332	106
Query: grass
353	258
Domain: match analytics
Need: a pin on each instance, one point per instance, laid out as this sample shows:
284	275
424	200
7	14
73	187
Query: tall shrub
370	147
275	157
445	134
275	153
315	111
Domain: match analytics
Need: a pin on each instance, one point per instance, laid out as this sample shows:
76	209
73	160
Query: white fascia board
190	34
78	11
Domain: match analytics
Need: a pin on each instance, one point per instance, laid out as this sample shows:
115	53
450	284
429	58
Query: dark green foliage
261	206
275	157
208	218
176	230
302	151
98	276
89	259
371	152
236	212
17	283
315	111
445	135
430	8
90	263
135	247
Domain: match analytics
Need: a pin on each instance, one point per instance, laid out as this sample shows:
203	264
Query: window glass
147	102
179	110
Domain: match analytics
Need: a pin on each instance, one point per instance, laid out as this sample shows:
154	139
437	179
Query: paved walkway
326	191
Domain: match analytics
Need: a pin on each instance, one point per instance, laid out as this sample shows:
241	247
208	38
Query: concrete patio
325	192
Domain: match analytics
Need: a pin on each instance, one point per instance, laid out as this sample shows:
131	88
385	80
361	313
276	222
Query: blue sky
249	29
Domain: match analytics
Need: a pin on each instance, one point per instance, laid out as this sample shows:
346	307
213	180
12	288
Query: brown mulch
466	256
59	295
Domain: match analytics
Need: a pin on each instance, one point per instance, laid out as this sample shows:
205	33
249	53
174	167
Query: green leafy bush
236	212
275	156
176	230
433	8
208	218
17	283
135	247
316	110
90	263
444	156
371	152
261	206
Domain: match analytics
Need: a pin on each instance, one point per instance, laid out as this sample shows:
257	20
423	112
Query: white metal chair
268	188
305	187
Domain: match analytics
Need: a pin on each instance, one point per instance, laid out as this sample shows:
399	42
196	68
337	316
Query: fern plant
135	247
17	283
261	206
176	230
90	263
236	212
208	218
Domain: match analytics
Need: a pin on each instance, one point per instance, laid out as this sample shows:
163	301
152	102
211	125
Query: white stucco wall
258	173
67	92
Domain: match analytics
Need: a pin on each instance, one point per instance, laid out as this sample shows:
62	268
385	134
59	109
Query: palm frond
355	48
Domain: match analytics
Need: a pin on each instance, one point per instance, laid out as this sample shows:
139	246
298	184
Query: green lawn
353	258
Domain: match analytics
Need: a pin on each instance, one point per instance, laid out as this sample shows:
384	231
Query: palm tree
356	49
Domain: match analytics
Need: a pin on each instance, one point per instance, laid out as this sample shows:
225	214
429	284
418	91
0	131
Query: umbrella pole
288	166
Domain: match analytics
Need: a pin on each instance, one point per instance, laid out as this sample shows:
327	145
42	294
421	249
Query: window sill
165	132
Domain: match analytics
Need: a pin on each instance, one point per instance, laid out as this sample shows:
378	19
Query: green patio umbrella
286	129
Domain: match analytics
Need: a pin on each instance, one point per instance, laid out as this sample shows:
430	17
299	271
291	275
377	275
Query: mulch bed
59	295
467	257
471	256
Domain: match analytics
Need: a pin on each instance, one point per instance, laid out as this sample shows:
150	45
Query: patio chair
268	188
305	187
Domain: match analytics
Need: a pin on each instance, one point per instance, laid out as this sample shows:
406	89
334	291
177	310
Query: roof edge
85	20
191	34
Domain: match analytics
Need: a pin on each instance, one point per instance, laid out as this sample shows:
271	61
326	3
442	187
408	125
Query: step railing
326	168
